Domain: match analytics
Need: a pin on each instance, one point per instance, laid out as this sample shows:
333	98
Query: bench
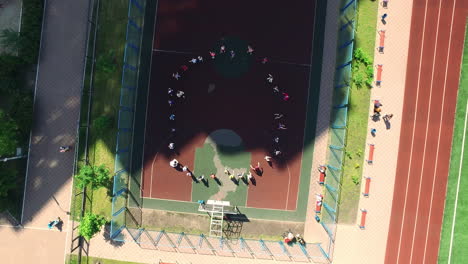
378	81
318	204
382	41
367	187
322	175
362	225
370	159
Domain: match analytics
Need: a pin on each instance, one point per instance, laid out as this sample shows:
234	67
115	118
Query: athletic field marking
458	185
425	136
289	187
412	137
440	129
142	180
176	52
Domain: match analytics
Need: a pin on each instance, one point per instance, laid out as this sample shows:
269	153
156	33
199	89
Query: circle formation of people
176	96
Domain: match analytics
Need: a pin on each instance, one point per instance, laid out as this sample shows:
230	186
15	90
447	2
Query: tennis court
225	119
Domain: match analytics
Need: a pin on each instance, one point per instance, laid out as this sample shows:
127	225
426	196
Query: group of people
376	116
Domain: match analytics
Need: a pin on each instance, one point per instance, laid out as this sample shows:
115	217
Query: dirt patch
200	224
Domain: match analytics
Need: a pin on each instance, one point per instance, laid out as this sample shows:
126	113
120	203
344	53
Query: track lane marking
458	186
418	202
412	136
440	130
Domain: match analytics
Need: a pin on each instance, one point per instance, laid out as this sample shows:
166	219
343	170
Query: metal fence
239	247
128	94
339	115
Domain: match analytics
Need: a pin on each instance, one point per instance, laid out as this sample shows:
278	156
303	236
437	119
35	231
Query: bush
9	69
358	79
30	35
106	62
8	135
90	225
102	124
10	39
97	177
22	113
7	179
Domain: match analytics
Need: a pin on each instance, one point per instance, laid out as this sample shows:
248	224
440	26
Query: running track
435	49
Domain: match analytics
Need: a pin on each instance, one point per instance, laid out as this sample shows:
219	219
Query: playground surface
436	46
226	120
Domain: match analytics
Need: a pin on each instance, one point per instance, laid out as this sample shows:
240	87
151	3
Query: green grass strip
92	260
358	116
457	182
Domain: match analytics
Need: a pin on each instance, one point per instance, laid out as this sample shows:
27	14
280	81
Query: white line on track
440	130
458	185
418	201
412	137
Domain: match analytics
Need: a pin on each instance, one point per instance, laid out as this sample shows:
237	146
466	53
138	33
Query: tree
22	113
90	225
9	69
95	176
10	39
8	135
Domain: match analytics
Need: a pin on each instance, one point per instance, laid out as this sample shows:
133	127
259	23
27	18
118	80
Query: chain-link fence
239	247
339	114
128	94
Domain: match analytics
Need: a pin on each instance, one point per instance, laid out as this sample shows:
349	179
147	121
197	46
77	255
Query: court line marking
422	173
305	121
142	179
458	185
412	137
440	129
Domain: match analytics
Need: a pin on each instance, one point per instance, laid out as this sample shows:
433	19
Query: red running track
435	49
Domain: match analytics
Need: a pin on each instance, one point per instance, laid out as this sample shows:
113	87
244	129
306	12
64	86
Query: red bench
367	187
318	203
370	159
382	41
322	169
362	225
379	75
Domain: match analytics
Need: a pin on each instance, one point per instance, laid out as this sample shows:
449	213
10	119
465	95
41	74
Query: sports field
225	119
454	239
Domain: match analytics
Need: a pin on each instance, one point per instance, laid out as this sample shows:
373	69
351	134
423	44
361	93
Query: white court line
440	129
458	186
142	180
412	137
425	136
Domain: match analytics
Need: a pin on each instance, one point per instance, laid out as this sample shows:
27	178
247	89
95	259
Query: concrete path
368	246
56	112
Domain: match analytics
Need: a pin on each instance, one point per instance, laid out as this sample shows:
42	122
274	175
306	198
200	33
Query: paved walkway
368	246
56	113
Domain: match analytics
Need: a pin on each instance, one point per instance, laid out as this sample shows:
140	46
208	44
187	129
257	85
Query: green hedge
30	35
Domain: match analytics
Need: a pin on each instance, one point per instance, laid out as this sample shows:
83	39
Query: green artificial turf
460	236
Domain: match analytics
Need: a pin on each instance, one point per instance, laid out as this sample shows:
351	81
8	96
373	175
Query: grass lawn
105	97
90	260
460	236
358	116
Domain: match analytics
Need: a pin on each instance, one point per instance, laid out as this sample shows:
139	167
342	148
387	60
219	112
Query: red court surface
186	29
435	49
